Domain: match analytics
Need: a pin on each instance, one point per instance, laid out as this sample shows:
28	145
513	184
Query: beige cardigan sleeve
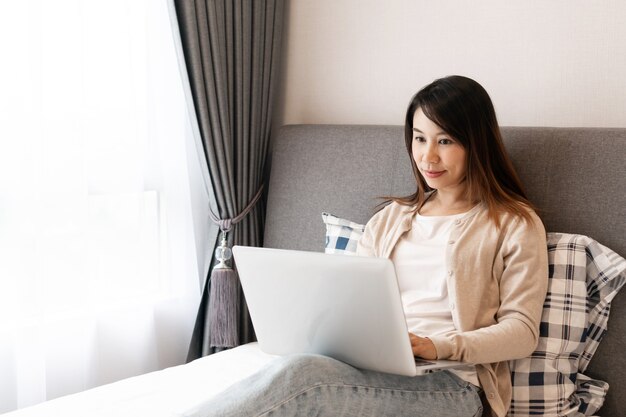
522	290
365	246
368	244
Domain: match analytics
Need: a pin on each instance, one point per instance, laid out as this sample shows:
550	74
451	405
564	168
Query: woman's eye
419	139
445	141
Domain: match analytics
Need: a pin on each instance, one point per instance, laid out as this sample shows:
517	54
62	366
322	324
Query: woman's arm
522	290
369	243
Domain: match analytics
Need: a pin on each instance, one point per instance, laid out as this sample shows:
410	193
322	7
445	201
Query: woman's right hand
423	347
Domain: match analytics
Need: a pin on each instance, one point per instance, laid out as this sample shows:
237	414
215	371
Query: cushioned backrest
575	177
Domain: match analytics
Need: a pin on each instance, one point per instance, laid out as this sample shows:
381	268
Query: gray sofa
576	176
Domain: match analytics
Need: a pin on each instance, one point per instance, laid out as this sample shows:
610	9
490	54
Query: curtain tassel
223	300
224	306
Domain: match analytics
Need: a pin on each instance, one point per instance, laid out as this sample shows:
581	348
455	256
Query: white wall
544	62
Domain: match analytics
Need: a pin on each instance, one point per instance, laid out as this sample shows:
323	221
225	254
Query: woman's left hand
423	347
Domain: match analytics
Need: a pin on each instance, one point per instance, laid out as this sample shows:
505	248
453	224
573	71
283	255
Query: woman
470	255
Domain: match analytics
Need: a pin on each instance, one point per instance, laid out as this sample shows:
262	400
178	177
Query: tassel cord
226	224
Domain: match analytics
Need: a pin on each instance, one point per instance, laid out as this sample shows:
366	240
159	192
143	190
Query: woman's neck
445	204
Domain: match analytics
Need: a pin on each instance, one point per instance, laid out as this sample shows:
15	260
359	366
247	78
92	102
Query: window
98	269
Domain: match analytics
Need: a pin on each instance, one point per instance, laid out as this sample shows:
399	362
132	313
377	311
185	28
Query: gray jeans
313	385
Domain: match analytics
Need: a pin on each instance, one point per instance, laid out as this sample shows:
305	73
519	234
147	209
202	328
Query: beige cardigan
497	283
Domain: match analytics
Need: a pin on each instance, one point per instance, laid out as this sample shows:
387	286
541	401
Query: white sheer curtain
98	268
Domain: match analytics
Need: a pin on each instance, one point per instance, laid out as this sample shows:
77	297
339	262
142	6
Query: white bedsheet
178	391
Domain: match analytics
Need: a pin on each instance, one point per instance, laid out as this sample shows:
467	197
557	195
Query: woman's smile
433	174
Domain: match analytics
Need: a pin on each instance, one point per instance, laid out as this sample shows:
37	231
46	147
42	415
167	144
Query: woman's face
440	158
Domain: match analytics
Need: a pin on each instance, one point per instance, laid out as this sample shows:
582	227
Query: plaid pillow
341	235
584	278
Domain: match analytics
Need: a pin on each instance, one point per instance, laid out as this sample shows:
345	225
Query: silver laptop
345	307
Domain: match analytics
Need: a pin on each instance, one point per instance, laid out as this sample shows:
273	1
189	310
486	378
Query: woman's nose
430	154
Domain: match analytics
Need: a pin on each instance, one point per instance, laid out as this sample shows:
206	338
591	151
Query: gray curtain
231	50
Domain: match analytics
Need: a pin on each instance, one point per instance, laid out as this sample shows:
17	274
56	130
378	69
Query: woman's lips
433	174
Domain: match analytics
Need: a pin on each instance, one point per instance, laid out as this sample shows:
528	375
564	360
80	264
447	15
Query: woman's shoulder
392	211
527	217
388	220
526	225
508	222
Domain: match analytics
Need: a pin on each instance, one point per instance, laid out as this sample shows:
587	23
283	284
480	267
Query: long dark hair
463	109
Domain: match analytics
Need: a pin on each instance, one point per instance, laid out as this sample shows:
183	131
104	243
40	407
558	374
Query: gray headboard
576	176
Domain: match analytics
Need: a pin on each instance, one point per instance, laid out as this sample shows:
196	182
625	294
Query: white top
419	259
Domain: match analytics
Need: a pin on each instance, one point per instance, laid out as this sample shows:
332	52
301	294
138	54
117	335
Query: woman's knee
309	369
